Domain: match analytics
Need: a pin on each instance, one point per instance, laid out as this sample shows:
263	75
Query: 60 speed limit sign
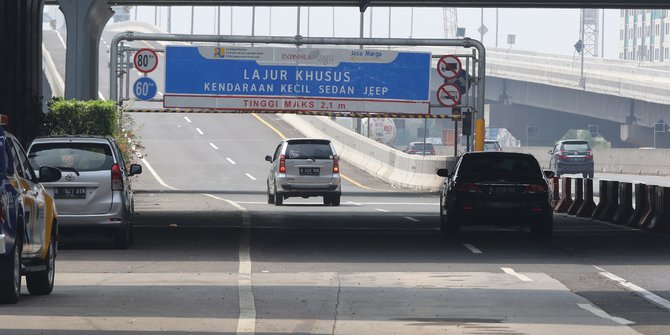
145	60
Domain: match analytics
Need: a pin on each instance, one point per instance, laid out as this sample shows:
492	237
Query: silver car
304	167
95	189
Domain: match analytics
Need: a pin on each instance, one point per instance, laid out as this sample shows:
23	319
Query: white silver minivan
304	167
94	190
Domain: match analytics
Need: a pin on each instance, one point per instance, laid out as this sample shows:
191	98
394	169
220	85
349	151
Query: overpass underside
539	114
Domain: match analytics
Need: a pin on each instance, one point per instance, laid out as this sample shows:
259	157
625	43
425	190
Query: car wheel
122	236
271	197
543	228
10	288
453	224
585	174
591	174
42	282
335	200
279	198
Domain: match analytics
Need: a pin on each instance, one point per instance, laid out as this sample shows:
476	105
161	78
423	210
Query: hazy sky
543	30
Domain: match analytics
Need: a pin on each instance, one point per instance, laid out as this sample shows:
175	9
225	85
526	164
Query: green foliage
597	142
94	117
75	117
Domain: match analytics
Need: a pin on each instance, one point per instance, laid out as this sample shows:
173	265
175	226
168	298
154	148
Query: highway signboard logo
145	88
145	60
449	67
449	95
297	79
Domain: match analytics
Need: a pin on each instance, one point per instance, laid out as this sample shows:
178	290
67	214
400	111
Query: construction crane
450	20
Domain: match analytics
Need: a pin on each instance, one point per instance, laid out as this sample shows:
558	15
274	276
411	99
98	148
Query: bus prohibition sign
145	60
449	67
449	95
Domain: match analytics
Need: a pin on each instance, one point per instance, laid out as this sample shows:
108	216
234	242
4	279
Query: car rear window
499	166
490	145
307	150
575	146
80	156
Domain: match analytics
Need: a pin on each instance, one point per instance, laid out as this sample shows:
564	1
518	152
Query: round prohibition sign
449	67
145	60
449	95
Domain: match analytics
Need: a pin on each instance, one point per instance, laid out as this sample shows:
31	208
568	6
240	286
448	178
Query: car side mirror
443	173
135	169
268	158
551	152
48	174
549	174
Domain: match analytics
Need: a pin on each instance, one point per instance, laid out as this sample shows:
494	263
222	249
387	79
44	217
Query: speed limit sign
145	60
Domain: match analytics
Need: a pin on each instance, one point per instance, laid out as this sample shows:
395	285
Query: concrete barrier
555	189
649	214
641	206
579	196
661	220
602	203
588	206
566	196
625	209
612	200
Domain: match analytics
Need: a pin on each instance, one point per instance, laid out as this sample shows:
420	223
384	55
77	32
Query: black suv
572	156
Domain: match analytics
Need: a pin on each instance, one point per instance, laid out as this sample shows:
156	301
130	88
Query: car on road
496	188
420	148
95	190
572	156
304	167
492	145
28	223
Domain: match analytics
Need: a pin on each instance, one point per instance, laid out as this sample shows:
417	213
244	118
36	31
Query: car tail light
336	164
498	149
562	155
4	119
589	154
535	188
468	188
282	164
117	181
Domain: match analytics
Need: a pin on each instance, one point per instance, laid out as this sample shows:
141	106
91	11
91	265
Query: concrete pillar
21	70
85	20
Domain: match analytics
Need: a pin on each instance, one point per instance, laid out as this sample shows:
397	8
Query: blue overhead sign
240	78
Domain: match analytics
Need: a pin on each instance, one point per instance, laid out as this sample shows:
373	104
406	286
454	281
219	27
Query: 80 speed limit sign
145	60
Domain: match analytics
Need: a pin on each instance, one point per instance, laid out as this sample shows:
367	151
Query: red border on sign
460	95
135	60
456	71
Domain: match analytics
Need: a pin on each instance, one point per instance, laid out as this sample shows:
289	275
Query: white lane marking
61	39
187	119
250	176
401	203
247	320
199	131
411	219
599	312
472	248
213	146
521	277
353	203
102	97
636	289
381	210
230	160
161	93
153	173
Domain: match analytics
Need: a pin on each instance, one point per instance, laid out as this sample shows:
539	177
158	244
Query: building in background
645	35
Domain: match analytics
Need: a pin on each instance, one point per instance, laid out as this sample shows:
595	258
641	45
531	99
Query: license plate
70	192
504	190
310	171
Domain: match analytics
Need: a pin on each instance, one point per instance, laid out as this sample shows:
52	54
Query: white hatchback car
304	167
